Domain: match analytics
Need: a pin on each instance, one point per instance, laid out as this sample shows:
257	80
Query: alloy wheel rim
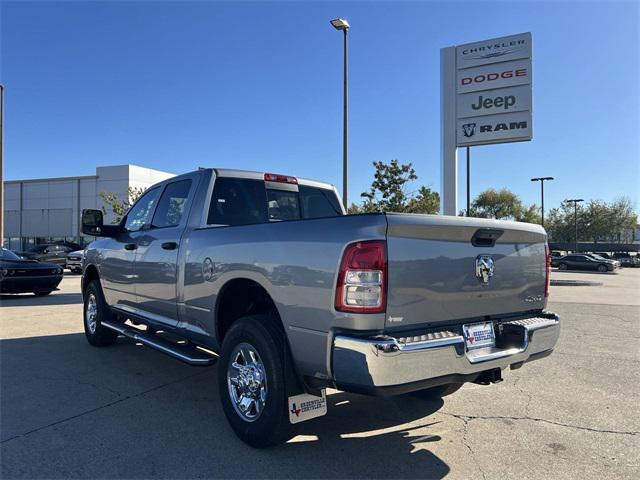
91	313
247	382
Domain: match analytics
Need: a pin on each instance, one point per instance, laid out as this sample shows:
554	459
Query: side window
237	201
318	202
139	214
283	205
171	204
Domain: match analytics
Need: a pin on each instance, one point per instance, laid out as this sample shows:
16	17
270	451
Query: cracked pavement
68	410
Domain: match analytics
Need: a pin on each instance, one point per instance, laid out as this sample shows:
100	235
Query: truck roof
230	172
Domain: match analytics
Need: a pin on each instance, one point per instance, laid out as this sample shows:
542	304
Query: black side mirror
93	224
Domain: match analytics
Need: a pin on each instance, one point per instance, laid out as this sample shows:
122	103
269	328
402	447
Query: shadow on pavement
72	410
30	300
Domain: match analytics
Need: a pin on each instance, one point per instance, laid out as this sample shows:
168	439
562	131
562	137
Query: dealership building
48	210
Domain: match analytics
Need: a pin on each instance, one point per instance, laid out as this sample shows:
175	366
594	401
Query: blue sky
177	85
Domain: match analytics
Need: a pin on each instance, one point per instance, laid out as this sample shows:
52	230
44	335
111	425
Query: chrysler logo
484	269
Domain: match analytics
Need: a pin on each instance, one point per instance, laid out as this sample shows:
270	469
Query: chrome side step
184	352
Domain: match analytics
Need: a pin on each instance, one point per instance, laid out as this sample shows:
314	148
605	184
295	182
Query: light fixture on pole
342	24
542	180
575	216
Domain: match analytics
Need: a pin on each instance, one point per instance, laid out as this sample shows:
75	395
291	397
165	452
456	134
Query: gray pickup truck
266	276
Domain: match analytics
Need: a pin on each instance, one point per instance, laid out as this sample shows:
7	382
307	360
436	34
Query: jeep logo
504	102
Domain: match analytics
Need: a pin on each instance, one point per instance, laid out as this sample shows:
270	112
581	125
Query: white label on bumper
479	335
305	407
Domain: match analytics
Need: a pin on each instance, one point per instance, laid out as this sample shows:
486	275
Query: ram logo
484	269
469	129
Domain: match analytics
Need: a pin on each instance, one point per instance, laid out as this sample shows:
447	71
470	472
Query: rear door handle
130	246
169	245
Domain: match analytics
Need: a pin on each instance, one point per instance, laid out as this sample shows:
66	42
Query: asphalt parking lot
69	410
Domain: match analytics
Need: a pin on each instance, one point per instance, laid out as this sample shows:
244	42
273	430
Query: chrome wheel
247	382
91	313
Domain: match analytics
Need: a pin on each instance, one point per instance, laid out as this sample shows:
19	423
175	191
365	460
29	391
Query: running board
187	353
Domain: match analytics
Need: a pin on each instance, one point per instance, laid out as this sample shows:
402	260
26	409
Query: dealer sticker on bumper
305	407
479	335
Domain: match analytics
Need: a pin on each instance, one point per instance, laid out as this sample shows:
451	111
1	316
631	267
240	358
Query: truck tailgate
432	274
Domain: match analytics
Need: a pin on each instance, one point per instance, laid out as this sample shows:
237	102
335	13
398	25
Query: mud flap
305	407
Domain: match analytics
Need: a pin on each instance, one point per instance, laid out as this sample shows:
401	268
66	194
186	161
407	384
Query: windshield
9	255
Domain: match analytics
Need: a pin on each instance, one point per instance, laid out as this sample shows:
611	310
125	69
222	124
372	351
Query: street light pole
542	180
342	24
575	217
1	165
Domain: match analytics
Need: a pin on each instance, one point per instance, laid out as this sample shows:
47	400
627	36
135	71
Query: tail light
362	279
547	260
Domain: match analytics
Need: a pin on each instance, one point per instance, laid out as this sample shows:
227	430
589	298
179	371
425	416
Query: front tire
42	293
562	266
97	311
254	383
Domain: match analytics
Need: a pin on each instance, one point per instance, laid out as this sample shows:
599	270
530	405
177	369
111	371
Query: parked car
598	257
627	260
580	261
74	261
50	252
19	275
555	255
294	296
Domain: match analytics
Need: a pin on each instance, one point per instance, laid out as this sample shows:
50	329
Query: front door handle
169	245
130	246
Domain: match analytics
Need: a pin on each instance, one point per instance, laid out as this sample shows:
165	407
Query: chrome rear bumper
360	364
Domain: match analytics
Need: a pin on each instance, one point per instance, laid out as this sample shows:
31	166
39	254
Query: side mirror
93	224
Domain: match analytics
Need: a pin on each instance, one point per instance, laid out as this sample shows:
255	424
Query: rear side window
283	205
318	202
237	201
171	205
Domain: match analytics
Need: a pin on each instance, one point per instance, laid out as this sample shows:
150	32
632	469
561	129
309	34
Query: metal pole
345	164
468	180
575	221
542	201
1	165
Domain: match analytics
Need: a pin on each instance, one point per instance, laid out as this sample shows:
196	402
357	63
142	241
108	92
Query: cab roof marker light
275	177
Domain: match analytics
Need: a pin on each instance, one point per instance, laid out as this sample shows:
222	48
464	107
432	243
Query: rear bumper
387	365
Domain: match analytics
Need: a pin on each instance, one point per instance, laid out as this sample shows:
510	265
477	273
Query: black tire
437	392
265	336
96	334
602	268
562	266
42	293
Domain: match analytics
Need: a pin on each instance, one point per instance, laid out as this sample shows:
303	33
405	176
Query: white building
49	209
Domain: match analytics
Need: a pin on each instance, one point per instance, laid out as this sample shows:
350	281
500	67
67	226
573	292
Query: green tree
390	192
498	204
120	206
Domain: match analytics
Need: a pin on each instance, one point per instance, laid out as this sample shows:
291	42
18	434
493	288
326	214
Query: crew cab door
119	253
156	263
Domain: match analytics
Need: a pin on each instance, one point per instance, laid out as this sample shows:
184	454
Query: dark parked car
586	262
626	260
19	275
555	256
51	252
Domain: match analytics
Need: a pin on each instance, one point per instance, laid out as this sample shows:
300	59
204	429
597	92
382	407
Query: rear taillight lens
547	279
362	279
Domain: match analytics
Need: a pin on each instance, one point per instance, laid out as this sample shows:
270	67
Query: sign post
486	98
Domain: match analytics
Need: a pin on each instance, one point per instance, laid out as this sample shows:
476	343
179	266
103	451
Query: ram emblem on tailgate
484	268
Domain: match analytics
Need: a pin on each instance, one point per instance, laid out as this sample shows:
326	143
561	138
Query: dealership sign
493	80
486	98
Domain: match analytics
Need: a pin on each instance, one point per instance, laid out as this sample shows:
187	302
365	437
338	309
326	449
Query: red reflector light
547	280
362	279
274	177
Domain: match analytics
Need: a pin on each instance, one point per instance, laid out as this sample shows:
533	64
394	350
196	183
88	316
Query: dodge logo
484	269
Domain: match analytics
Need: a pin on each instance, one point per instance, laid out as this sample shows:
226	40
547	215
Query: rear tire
42	293
97	311
562	266
602	268
254	393
437	392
